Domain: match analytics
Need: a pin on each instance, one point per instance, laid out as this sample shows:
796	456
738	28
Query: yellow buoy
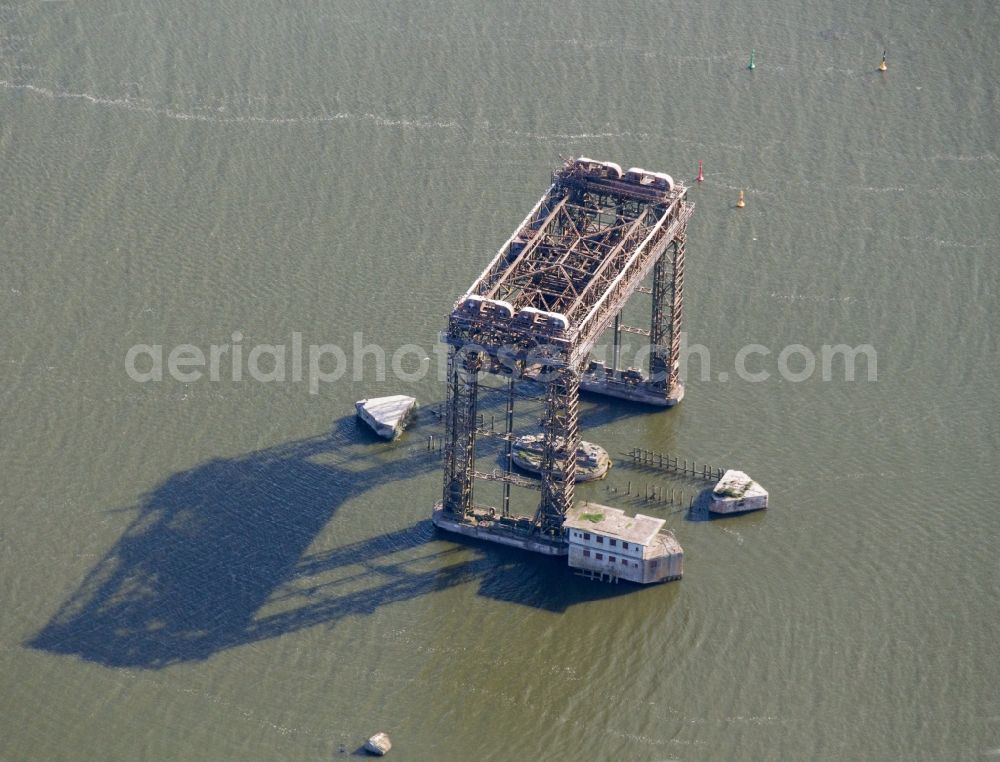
883	66
741	203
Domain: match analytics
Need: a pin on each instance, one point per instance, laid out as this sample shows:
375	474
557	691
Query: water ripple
130	104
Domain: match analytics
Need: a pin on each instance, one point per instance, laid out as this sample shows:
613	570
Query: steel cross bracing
562	438
542	303
665	331
460	430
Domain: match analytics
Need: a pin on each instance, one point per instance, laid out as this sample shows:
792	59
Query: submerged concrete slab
592	461
491	528
631	385
736	493
387	416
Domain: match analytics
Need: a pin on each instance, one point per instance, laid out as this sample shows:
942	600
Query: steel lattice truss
545	299
570	260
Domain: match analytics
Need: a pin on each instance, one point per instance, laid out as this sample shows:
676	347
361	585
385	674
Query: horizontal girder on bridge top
572	263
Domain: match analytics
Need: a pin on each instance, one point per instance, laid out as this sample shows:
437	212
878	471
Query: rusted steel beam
498	476
633	329
529	247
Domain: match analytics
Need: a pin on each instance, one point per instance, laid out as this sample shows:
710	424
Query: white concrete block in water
736	492
386	415
379	745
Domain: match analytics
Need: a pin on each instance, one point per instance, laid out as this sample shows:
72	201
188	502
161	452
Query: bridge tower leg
665	326
460	431
562	439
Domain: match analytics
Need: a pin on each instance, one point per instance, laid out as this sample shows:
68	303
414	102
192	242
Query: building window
600	556
624	546
586	535
586	554
613	542
600	539
611	559
654	564
624	562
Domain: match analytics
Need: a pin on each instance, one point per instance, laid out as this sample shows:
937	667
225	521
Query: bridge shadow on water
218	556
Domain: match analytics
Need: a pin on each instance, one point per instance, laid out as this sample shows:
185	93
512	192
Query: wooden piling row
666	462
654	493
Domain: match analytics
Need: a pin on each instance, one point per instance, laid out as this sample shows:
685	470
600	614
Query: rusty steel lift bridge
536	313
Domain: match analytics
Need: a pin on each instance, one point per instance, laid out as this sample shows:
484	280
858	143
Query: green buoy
752	65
